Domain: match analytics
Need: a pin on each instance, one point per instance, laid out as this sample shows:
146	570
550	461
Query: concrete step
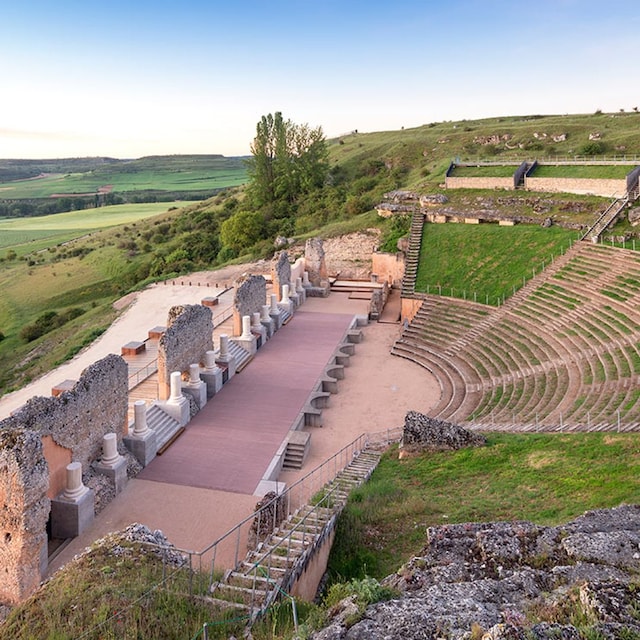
239	595
242	356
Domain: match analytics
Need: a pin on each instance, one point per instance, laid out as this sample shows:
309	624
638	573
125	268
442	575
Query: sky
129	78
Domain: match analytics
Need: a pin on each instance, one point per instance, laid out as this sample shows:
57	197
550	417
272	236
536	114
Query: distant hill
27	187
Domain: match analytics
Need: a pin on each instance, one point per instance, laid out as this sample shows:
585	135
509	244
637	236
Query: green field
602	172
486	260
169	174
61	227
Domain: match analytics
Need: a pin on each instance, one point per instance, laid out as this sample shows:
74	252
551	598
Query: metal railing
142	374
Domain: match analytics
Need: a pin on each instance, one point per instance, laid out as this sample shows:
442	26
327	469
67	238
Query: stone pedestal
302	295
196	388
73	510
285	301
142	441
112	464
293	295
211	375
267	321
177	406
258	329
225	359
247	340
274	313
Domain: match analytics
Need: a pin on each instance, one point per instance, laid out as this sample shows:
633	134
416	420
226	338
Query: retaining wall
583	186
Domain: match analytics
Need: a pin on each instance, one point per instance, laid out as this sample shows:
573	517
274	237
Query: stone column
274	313
305	279
247	340
225	359
293	295
286	301
266	321
177	406
212	374
300	291
196	387
142	442
73	510
112	464
257	329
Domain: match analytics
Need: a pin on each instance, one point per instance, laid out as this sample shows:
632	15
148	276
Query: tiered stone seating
564	352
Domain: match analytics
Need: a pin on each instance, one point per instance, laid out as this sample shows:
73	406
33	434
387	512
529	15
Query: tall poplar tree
288	160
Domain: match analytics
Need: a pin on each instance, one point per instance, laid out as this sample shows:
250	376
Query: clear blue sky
128	78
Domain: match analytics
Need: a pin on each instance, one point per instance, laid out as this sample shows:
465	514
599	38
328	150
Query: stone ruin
270	512
422	433
491	580
189	335
315	263
280	272
42	446
250	297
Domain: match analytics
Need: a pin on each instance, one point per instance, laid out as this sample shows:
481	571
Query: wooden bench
133	348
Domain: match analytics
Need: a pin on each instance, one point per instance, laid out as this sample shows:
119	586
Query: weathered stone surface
314	261
421	432
250	295
188	337
492	578
79	418
24	510
280	272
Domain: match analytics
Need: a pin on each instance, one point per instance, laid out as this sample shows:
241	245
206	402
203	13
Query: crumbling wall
188	337
250	295
280	272
79	418
24	510
314	260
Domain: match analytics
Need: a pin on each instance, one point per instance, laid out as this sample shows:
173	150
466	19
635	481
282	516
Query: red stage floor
231	442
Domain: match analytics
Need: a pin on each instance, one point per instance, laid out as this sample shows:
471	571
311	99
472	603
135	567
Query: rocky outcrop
514	580
422	433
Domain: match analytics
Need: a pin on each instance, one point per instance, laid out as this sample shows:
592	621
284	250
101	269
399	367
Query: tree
288	161
242	230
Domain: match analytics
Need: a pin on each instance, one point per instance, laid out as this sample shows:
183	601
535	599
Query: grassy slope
544	478
488	260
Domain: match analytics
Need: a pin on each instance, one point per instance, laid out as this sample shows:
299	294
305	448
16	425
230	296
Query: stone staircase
413	254
242	356
297	449
167	429
272	568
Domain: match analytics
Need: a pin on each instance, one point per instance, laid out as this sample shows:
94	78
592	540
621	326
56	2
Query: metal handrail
142	374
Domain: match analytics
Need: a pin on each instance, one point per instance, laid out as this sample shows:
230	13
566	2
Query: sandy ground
375	395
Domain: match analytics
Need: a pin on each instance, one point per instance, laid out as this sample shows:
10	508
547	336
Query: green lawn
485	259
493	171
601	172
544	478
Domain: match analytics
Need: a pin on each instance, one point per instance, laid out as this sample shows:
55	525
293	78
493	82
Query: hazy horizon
128	81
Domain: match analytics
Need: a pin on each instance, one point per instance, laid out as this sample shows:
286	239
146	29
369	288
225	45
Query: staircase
413	254
167	429
242	356
274	566
297	449
606	218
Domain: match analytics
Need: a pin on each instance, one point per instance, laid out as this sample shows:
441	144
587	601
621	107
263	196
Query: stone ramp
231	442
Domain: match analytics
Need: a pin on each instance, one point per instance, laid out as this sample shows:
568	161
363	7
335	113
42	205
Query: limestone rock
491	578
424	433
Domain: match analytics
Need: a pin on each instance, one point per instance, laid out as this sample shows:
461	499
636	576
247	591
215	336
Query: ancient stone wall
24	510
389	267
314	260
604	188
280	272
452	182
79	418
297	270
188	337
250	295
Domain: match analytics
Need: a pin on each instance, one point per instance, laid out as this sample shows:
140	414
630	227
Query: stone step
242	356
255	578
167	429
239	595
